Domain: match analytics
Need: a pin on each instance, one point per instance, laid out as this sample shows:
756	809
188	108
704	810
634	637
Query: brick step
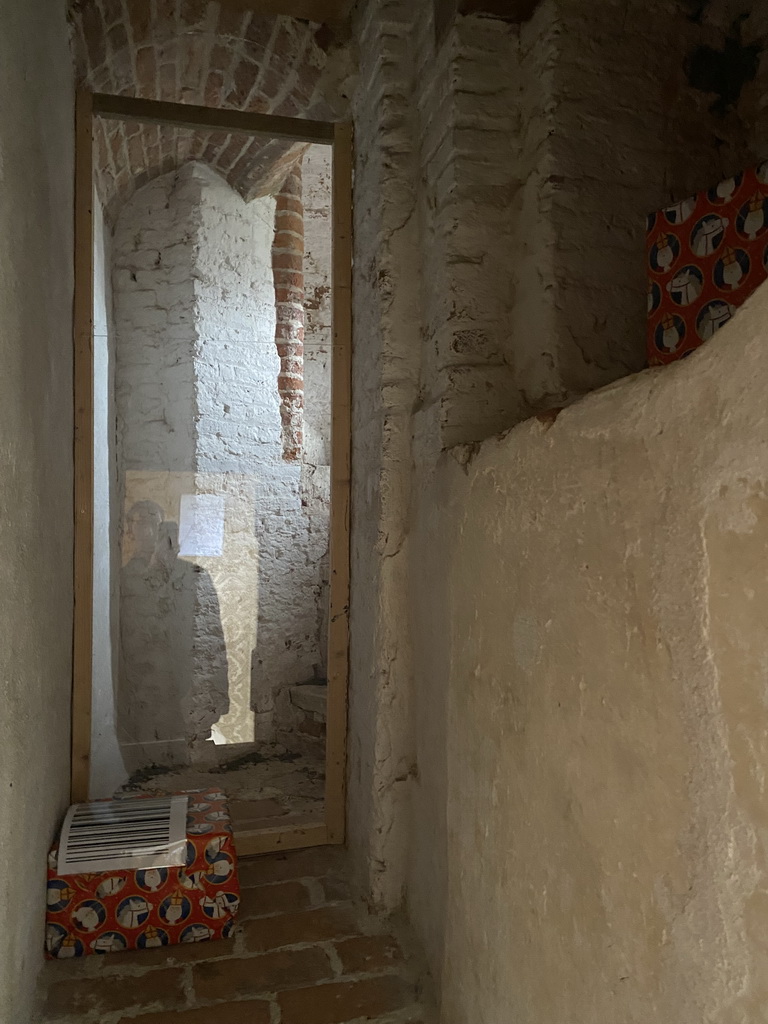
302	953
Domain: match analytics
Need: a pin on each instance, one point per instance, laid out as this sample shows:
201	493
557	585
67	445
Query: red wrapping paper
117	910
706	255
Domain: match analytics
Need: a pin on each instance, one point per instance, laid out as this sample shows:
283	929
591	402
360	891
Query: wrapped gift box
706	255
123	909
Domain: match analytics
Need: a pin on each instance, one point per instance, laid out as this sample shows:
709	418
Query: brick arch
195	51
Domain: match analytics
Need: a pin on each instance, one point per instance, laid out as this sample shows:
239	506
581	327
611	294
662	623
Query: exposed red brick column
288	270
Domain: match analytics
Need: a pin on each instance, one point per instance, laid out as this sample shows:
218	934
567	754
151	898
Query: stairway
303	952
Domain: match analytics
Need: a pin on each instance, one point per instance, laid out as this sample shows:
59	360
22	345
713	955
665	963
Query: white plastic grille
132	834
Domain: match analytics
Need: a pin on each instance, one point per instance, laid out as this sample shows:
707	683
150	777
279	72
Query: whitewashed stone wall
316	196
156	415
37	160
198	413
318	338
385	393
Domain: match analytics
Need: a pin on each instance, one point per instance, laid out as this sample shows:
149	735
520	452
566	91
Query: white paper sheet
201	525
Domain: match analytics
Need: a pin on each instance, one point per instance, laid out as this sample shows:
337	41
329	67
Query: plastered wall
542	769
36	167
316	197
385	391
603	706
468	138
198	414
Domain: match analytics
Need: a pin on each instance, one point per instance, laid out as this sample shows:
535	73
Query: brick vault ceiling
196	51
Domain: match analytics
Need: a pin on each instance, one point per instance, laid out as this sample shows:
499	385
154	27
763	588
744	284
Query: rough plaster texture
470	127
567	851
603	703
385	391
36	165
198	413
316	195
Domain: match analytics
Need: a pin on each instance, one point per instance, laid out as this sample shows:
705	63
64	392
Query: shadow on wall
174	679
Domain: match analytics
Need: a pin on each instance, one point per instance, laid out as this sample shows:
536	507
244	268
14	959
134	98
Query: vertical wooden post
338	629
83	450
341	424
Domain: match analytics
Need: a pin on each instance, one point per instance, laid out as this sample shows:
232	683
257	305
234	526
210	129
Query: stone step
311	697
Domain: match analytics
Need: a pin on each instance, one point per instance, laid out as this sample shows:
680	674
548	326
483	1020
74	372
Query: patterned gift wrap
706	255
117	910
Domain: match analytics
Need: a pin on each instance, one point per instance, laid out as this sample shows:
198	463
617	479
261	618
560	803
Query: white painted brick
197	397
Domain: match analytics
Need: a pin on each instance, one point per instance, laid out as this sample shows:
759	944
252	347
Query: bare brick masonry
303	953
288	270
202	53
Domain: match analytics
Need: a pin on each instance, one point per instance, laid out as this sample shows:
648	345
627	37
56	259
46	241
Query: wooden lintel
187	115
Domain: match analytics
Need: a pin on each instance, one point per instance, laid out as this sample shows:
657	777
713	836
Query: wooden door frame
338	135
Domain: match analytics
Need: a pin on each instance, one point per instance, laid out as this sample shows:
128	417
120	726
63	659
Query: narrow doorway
212	430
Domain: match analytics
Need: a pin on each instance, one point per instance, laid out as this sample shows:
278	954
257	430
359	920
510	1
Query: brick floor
303	953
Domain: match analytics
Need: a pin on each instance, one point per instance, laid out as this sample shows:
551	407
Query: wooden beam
251	843
82	640
341	435
187	115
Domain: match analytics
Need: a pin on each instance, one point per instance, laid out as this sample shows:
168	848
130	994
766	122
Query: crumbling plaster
316	196
36	168
536	679
385	378
540	148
